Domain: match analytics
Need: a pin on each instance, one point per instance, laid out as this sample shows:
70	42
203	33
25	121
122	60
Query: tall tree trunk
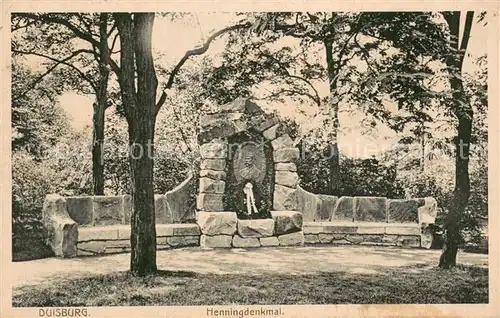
97	148
333	121
100	107
463	111
422	149
139	105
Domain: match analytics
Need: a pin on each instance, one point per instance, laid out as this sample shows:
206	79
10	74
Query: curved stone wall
391	216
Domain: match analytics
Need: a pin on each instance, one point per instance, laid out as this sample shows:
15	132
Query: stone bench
403	219
116	238
364	233
170	207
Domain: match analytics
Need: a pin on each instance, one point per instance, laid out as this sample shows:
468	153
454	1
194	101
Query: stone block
312	228
256	228
373	238
216	241
326	207
117	244
354	239
309	204
291	239
108	210
239	241
213	164
428	212
161	211
338	237
311	238
177	200
286	221
284	198
344	209
409	241
93	247
286	155
62	231
208	185
269	241
115	250
342	242
213	174
281	142
217	149
100	233
81	253
182	241
370	209
220	128
80	209
210	202
325	238
185	229
426	238
285	166
402	211
165	229
337	227
217	223
124	233
391	239
402	229
286	178
241	104
271	132
371	228
263	123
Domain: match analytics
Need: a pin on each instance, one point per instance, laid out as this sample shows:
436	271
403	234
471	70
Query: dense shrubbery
358	177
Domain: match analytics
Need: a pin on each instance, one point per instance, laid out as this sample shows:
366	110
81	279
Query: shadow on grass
401	285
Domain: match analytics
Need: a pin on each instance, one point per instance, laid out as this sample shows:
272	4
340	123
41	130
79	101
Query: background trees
57	39
381	68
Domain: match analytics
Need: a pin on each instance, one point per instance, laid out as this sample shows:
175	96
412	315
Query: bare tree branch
315	98
113	44
50	69
188	54
53	19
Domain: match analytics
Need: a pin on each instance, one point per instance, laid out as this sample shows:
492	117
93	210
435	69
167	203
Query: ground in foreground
397	285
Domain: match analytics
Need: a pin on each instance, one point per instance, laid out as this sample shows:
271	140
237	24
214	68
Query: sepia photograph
244	161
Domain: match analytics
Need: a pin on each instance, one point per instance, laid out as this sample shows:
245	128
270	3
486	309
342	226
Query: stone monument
248	179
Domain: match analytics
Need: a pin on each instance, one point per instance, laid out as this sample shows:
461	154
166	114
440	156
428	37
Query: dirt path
290	260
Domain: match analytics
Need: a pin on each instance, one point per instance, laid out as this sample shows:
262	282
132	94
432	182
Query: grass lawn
463	284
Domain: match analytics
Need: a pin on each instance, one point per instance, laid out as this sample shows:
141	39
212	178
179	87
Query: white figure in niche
251	208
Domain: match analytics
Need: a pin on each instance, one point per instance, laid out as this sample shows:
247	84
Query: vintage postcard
250	159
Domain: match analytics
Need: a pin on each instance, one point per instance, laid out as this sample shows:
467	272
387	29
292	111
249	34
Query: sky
173	38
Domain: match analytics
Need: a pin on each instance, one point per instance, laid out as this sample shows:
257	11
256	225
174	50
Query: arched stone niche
241	144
